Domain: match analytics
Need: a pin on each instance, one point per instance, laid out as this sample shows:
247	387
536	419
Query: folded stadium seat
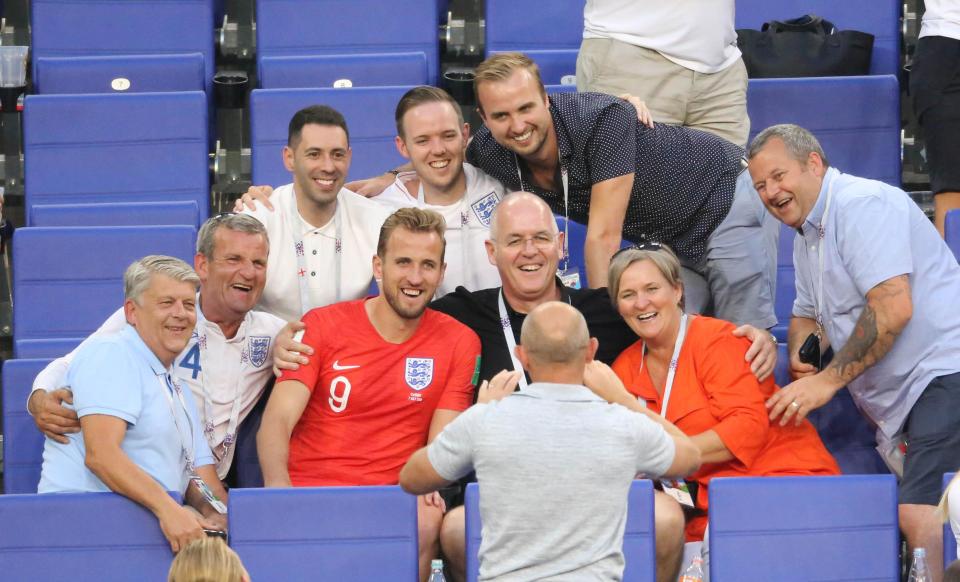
856	119
881	18
638	535
68	280
185	212
82	537
142	147
369	113
66	28
325	533
804	528
786	283
22	442
329	27
951	232
547	32
120	74
949	541
363	70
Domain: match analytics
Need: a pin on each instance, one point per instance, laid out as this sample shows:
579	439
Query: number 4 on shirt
191	361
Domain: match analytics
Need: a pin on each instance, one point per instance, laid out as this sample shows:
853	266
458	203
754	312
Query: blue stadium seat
325	533
326	27
949	541
369	113
66	28
22	442
106	74
881	18
951	232
560	88
781	373
786	283
638	535
245	460
67	280
47	347
804	528
547	32
185	212
363	70
145	147
83	537
856	119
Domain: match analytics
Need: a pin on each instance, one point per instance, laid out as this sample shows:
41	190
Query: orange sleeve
465	365
626	366
312	336
734	395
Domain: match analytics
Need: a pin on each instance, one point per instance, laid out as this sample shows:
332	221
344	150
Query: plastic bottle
918	570
436	571
694	572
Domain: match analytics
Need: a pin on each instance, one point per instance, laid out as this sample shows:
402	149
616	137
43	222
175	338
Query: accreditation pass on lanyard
676	488
223	452
170	384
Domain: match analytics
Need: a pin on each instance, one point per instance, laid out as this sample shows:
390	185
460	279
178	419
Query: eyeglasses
541	241
644	246
223	215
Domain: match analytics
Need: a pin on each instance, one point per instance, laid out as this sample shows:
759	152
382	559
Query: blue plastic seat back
245	459
121	74
82	537
786	283
560	88
362	70
67	280
145	147
638	536
554	64
524	25
184	212
324	27
804	528
325	533
856	119
949	540
22	441
70	28
369	112
881	18
951	232
46	348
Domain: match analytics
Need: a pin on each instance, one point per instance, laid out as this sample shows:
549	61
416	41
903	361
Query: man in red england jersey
387	374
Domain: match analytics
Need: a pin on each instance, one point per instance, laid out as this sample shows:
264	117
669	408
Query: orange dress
715	389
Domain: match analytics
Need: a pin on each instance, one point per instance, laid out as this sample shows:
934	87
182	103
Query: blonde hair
660	255
500	67
413	220
207	560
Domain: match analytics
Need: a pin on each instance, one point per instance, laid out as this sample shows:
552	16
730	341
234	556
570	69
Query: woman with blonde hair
207	560
692	370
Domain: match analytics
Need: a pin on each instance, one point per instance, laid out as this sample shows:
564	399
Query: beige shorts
714	102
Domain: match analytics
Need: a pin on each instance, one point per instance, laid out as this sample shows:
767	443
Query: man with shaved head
520	444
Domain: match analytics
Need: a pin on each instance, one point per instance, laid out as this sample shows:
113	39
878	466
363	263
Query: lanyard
821	237
170	384
672	371
565	182
511	341
464	212
223	453
305	303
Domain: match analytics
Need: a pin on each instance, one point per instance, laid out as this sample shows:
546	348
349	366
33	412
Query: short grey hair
554	333
798	141
230	221
137	277
508	200
663	258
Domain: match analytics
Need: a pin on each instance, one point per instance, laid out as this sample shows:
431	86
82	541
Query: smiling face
410	270
319	161
517	113
648	302
232	280
435	142
788	187
164	316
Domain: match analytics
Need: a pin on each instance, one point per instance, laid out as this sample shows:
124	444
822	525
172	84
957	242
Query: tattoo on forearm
872	338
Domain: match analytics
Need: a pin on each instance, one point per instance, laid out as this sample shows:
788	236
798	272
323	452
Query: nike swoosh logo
337	366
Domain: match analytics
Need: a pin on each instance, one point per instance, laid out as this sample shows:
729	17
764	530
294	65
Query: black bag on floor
808	46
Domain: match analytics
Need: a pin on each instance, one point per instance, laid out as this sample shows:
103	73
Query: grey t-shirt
555	464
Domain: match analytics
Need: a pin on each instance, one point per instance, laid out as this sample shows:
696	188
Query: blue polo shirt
873	232
118	375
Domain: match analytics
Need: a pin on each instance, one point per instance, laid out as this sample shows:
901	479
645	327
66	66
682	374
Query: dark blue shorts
933	441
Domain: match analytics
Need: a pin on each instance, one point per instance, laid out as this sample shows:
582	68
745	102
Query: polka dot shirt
684	179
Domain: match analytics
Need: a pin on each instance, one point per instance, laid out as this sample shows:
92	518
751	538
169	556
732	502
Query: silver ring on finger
795	404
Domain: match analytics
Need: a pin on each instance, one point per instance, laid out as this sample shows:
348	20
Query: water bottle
436	571
918	570
694	572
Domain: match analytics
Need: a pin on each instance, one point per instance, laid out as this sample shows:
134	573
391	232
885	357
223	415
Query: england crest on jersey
484	208
419	372
259	346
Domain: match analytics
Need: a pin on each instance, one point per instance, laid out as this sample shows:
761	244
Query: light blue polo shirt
118	375
873	232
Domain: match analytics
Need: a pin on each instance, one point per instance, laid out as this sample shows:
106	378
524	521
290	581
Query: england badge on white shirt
259	348
419	373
